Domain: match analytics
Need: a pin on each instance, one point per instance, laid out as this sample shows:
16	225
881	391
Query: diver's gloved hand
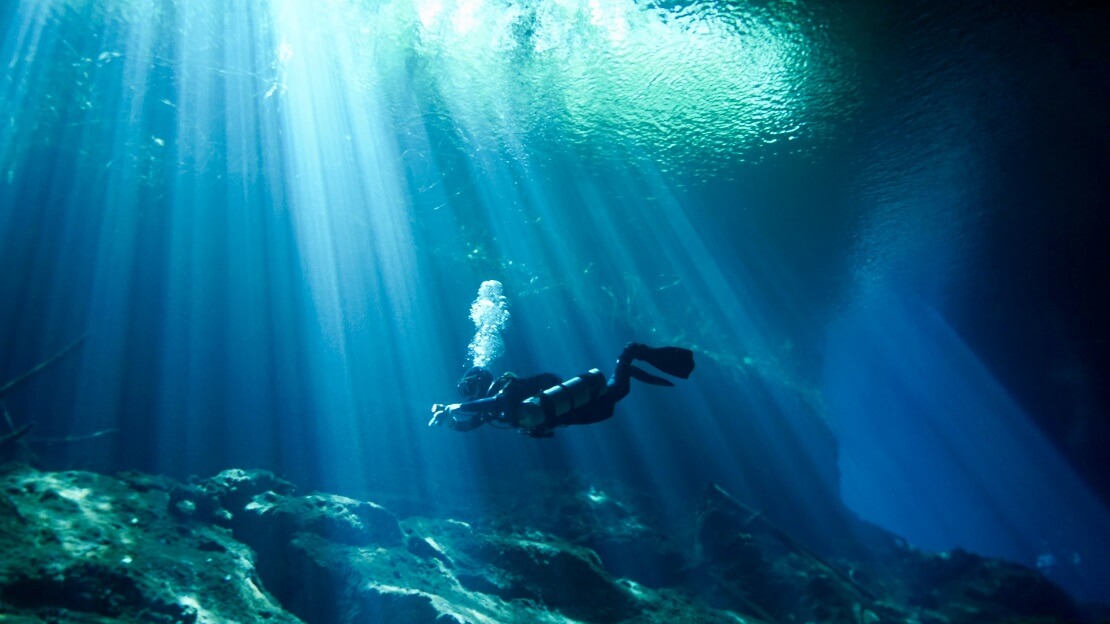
438	413
441	413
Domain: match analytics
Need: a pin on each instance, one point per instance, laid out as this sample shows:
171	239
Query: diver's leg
618	386
602	407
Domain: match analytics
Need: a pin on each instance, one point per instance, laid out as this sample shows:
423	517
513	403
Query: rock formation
244	546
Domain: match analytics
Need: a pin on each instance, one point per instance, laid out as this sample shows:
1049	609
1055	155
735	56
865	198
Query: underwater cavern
856	254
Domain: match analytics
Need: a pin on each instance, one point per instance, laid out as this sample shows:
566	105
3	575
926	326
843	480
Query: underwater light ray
907	469
530	229
636	424
193	249
32	272
732	302
21	43
556	247
228	284
318	182
253	232
771	421
896	479
357	248
28	103
602	234
126	243
981	499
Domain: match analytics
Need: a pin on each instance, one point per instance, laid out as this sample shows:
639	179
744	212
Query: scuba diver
536	405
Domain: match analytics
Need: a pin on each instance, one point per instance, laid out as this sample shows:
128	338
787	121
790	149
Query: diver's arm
466	416
488	405
465	422
473	414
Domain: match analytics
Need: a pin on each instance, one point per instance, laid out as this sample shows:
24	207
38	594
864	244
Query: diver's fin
646	377
671	360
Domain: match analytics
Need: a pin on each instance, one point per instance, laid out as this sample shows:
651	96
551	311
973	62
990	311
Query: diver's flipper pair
671	360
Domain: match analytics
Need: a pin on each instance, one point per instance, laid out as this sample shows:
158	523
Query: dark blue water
881	229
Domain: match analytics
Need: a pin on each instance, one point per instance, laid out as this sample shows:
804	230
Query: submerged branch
41	366
795	545
7	416
68	439
8	438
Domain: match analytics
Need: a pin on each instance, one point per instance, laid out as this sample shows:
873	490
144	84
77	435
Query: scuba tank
546	407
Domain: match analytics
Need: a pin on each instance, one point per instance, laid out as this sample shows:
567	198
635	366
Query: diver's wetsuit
509	391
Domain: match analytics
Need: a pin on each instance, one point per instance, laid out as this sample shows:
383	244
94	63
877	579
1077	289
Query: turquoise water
878	228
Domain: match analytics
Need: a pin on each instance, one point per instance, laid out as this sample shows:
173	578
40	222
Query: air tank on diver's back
547	406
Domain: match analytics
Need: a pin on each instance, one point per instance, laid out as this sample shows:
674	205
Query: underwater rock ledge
244	546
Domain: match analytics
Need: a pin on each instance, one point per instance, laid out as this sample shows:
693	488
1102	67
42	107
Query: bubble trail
490	314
